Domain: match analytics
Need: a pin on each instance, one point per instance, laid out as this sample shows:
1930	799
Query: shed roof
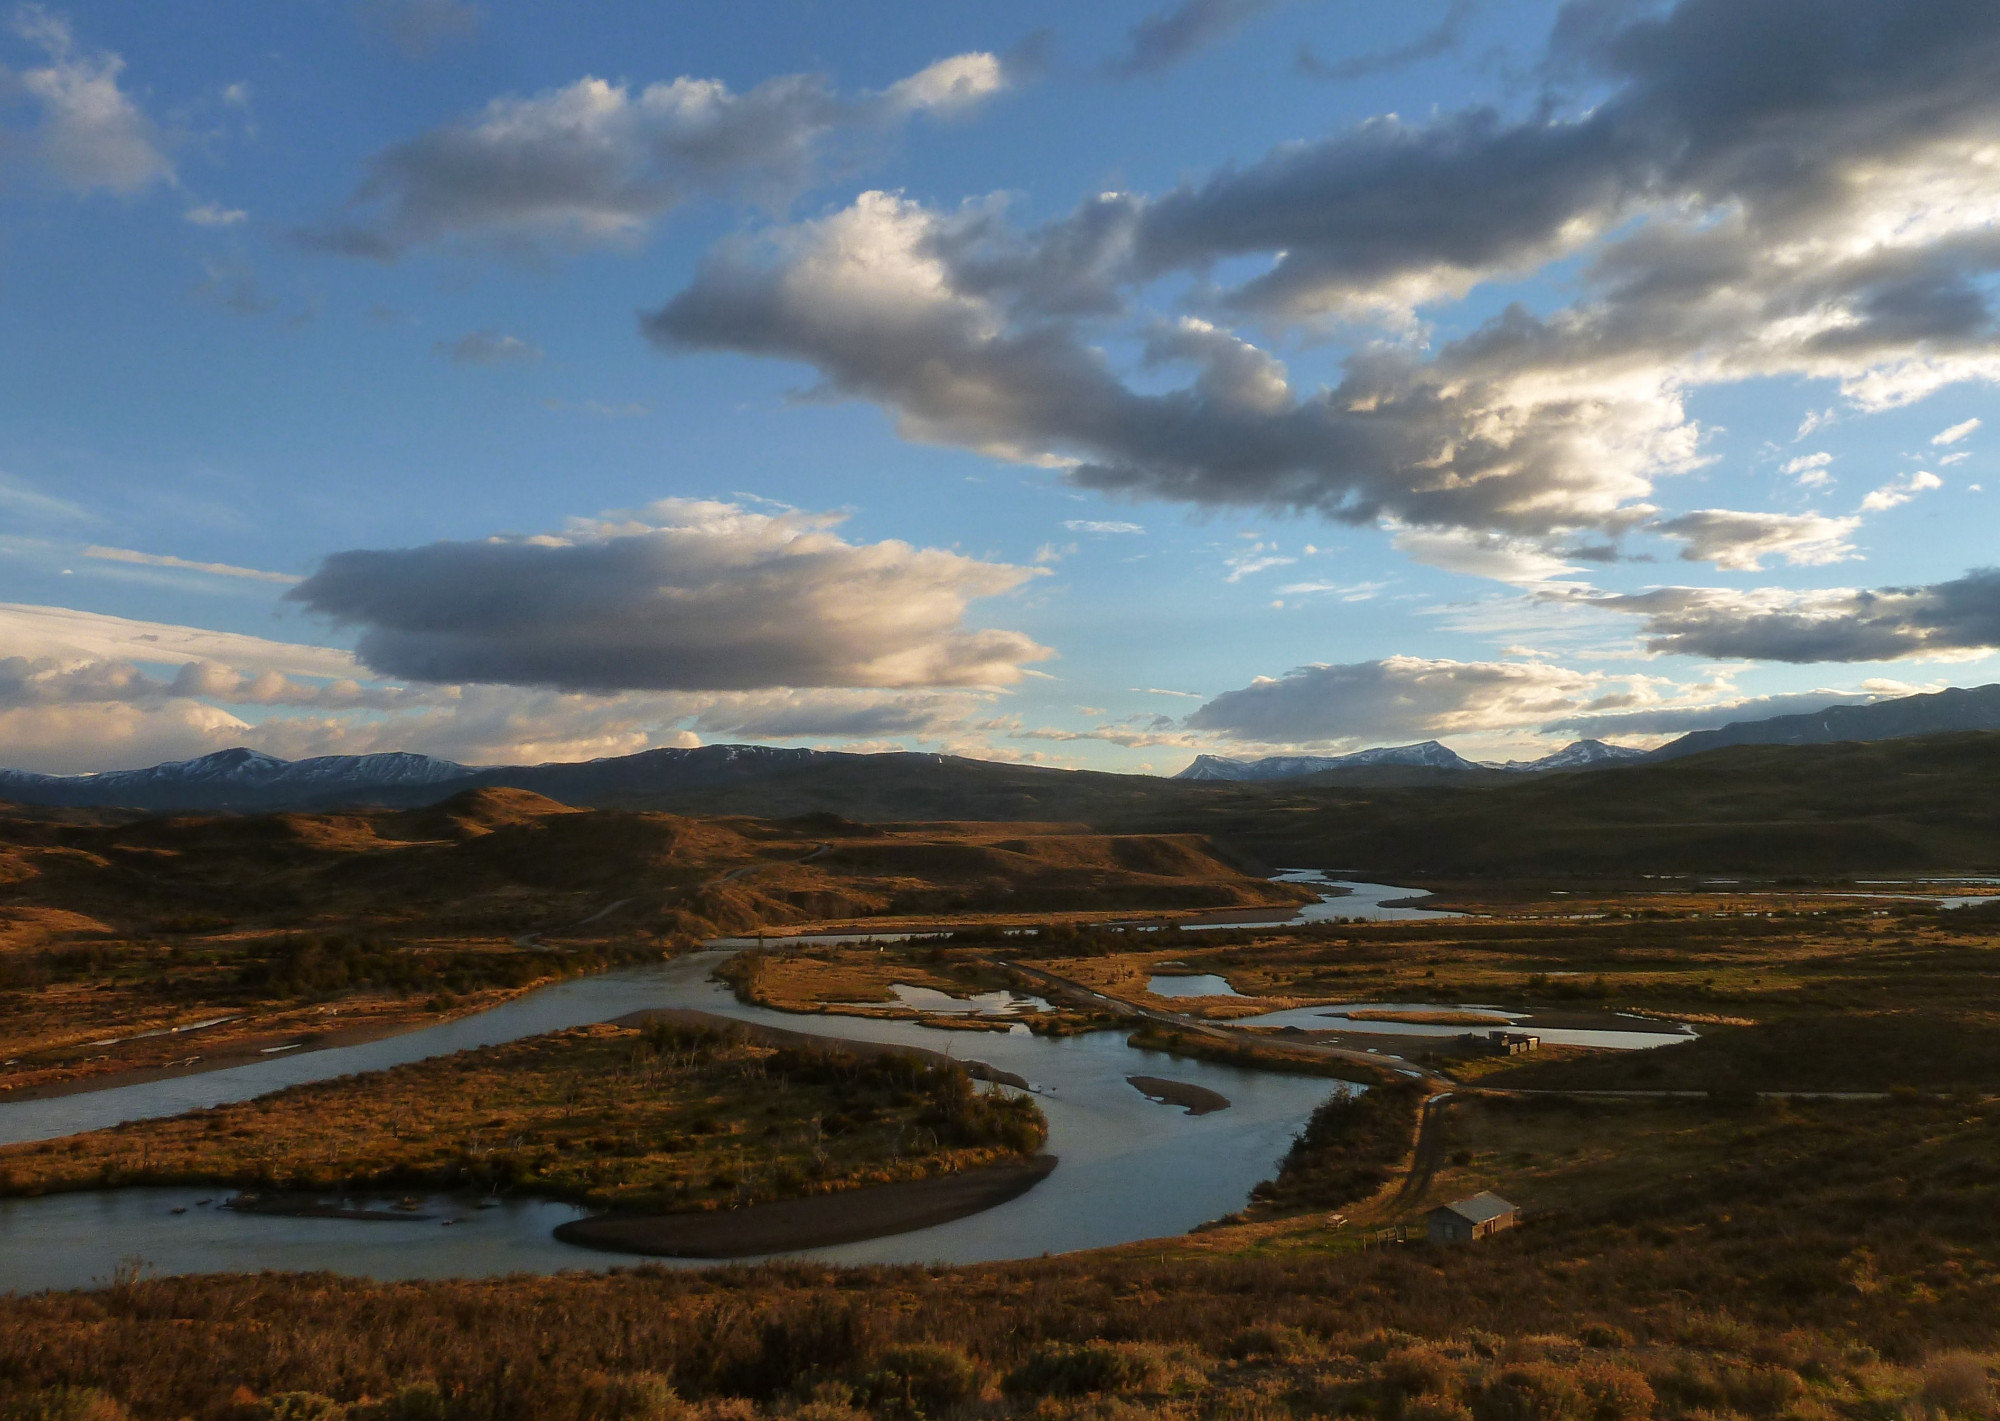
1478	1209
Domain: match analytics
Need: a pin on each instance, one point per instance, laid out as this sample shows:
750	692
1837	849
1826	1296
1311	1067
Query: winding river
1131	1168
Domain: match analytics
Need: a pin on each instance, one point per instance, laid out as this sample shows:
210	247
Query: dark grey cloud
596	163
1942	619
1397	698
863	297
1440	39
1770	104
420	27
683	596
1678	720
1769	188
27	682
1162	40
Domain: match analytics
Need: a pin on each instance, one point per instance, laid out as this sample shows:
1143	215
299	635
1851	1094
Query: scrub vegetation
663	1118
1686	1260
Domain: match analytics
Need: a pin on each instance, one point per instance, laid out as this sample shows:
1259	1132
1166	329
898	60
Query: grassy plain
660	1118
132	944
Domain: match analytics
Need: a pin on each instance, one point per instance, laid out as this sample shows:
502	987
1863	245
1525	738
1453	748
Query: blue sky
1092	388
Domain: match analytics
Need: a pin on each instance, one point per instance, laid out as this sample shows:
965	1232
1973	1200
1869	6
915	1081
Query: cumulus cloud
1399	697
1952	620
1956	432
596	163
1765	189
1740	541
878	299
1900	491
1162	40
683	595
487	348
90	135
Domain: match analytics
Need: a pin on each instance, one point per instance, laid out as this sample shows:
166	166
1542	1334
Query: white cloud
1091	525
1810	470
487	348
91	136
1494	555
1899	491
1956	432
209	214
218	569
596	163
64	634
1740	541
1258	557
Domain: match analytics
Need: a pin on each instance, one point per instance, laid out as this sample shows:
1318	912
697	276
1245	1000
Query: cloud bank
1780	188
684	595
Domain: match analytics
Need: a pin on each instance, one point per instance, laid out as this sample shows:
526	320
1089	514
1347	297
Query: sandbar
816	1221
1199	1100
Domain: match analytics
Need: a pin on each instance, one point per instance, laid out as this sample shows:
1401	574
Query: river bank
815	1221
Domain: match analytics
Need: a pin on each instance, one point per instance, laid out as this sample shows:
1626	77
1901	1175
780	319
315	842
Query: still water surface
1131	1169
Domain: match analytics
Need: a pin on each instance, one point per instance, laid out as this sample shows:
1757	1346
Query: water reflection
1129	1171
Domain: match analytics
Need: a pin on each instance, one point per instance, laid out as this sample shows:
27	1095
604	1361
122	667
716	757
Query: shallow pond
929	999
1129	1169
1644	1032
1205	984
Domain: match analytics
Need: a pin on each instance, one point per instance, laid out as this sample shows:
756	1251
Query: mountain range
722	779
1429	755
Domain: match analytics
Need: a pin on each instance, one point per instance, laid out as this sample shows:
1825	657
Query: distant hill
1910	805
1429	755
241	780
1977	708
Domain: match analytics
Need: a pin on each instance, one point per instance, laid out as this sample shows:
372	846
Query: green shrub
923	1378
632	1396
1095	1366
1530	1391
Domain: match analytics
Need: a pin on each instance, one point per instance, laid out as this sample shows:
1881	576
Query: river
1131	1169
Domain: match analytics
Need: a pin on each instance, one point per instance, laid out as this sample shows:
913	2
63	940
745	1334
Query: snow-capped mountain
1580	755
1428	755
231	779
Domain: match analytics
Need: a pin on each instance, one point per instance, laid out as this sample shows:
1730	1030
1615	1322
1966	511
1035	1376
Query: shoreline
785	1036
1198	1100
237	1056
815	1221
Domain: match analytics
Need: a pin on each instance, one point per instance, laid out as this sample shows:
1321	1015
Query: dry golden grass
606	1115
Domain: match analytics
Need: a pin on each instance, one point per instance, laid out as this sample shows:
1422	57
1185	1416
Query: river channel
1131	1168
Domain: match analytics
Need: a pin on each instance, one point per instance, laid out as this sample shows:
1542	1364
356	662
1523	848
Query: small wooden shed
1467	1219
